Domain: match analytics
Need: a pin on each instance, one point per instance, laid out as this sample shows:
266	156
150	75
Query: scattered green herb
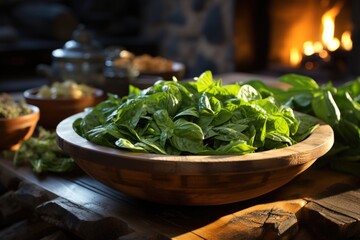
199	117
337	106
43	154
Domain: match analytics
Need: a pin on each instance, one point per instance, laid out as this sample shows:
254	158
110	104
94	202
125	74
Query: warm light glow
317	50
324	54
295	57
126	54
333	45
346	42
318	47
308	48
328	23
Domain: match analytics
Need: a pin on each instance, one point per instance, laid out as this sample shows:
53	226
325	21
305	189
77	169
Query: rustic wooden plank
80	220
337	213
140	236
15	206
86	191
313	184
341	198
8	179
31	195
11	209
2	189
60	235
175	222
265	221
305	234
328	224
27	230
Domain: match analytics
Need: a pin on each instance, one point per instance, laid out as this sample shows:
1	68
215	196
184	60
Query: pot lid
82	47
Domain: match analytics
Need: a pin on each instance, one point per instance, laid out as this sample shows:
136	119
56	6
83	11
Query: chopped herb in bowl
9	108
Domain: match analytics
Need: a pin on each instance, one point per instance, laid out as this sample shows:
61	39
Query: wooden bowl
15	130
193	180
53	111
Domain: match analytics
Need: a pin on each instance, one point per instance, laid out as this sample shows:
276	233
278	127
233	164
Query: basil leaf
187	137
150	144
248	93
299	81
204	82
124	143
222	117
188	112
349	132
325	107
130	112
236	147
230	132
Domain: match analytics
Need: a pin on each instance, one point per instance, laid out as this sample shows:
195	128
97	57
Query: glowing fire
346	42
329	42
295	56
328	23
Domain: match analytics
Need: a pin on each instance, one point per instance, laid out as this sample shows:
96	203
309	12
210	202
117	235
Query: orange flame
328	43
295	57
328	22
346	42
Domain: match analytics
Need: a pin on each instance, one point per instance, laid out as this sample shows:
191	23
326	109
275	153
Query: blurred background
317	38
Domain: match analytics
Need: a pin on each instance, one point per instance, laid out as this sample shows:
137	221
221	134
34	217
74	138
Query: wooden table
318	204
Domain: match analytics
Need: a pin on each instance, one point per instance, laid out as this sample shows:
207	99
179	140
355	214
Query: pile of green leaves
198	117
43	154
337	106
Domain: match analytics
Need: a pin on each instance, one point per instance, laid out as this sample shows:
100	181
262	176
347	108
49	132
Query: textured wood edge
263	221
81	220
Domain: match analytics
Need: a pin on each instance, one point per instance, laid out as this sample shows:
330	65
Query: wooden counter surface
318	204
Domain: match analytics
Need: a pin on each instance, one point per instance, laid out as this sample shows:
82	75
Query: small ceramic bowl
53	111
17	129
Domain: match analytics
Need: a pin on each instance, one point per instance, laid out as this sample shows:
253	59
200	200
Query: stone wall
198	33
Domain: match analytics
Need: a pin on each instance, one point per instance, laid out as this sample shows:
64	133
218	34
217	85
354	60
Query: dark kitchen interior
222	36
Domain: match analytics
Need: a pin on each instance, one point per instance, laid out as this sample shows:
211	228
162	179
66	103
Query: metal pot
81	60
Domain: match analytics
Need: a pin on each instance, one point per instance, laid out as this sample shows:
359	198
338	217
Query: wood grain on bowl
53	111
193	180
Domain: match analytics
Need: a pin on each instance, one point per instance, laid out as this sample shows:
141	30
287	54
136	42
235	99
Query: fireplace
316	38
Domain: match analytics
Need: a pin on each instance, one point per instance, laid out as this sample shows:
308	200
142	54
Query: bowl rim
30	94
314	146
